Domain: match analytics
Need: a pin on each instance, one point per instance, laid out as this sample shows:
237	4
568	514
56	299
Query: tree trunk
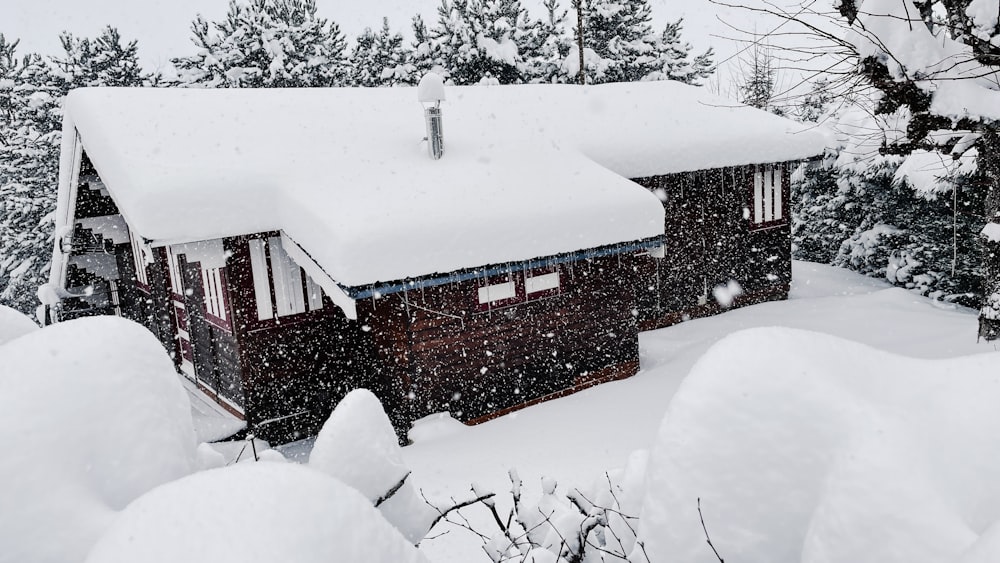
989	170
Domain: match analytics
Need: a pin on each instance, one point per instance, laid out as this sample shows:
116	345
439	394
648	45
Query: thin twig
395	488
707	538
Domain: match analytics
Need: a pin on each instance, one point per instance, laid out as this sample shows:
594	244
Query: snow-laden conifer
380	59
266	43
31	92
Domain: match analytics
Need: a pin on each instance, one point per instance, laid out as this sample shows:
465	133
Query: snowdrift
253	512
91	417
358	446
805	447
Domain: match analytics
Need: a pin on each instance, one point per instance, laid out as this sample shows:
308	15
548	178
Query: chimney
430	93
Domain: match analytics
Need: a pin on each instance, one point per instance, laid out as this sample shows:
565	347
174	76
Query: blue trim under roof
364	292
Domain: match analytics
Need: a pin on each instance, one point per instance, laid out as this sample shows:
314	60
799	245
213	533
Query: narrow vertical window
768	195
284	290
768	199
261	283
288	283
140	264
777	193
314	294
758	197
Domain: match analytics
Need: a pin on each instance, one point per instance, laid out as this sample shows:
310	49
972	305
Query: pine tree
673	58
266	44
362	61
392	57
425	54
479	38
29	163
551	43
380	60
855	210
621	37
103	61
816	102
30	145
758	81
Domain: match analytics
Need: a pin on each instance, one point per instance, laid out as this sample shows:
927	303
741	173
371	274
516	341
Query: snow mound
431	88
14	324
255	512
358	446
804	447
92	416
434	427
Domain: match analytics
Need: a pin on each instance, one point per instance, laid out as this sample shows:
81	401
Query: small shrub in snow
358	445
590	525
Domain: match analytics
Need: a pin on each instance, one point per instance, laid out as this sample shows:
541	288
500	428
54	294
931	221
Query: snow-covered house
290	245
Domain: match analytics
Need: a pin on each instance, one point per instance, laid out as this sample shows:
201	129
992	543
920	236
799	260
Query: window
139	257
541	283
497	292
213	280
767	196
518	287
280	286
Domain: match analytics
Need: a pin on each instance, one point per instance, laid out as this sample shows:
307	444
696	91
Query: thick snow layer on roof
862	456
253	512
528	171
92	416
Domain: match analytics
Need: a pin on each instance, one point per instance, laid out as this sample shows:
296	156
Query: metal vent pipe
435	133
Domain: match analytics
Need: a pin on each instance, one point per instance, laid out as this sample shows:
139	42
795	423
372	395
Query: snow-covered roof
528	171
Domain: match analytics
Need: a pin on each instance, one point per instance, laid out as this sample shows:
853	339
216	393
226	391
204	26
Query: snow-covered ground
577	438
853	422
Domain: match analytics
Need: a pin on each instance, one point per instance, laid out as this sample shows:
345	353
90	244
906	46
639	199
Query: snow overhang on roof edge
653	244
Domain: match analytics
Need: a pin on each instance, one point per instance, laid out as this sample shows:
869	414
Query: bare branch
392	491
707	538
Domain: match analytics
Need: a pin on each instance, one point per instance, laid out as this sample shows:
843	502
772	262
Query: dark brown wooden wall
709	241
298	366
453	357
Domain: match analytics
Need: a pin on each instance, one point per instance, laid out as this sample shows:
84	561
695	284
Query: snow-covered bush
256	512
92	416
863	456
888	216
358	446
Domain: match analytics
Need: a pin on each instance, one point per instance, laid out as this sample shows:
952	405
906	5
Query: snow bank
14	324
804	447
342	171
254	512
358	445
91	417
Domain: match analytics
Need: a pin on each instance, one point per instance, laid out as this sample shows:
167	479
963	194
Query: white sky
162	26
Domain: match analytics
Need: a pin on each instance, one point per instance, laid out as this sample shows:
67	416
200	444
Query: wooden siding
295	369
449	356
710	240
216	359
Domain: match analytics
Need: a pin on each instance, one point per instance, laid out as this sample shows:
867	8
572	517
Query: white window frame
767	195
548	282
294	291
497	292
